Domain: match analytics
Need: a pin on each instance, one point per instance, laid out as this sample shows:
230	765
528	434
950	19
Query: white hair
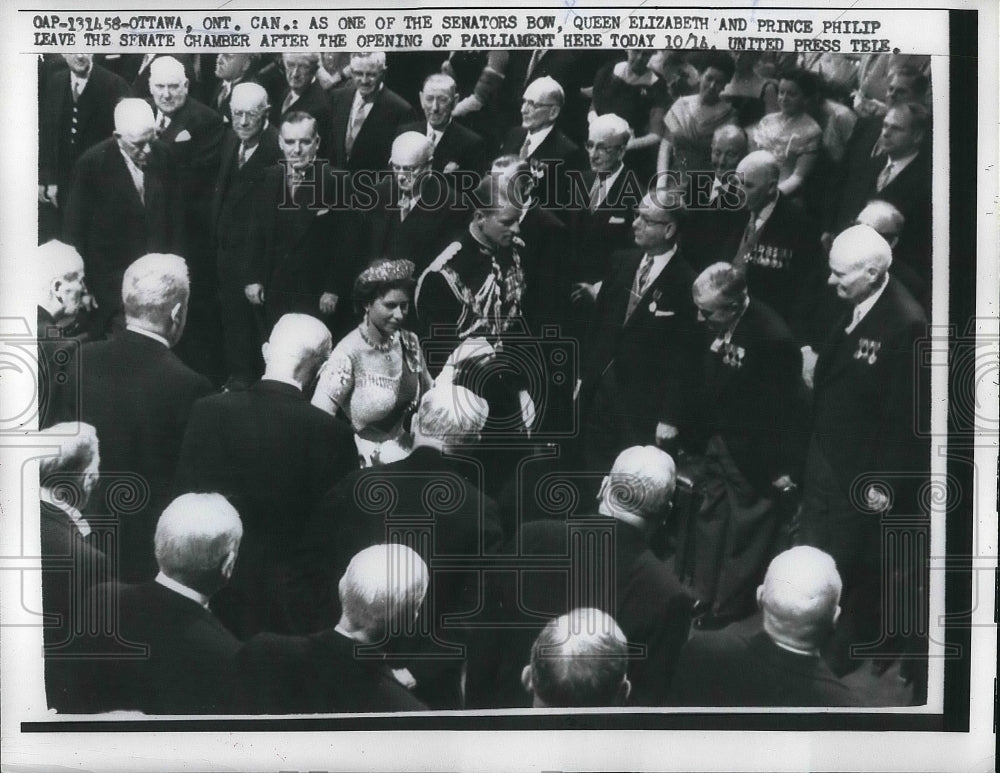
133	116
546	86
377	57
249	94
153	285
449	412
194	536
863	245
382	589
614	125
53	261
166	68
800	596
642	481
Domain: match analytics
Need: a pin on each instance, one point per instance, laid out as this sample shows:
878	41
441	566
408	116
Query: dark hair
380	277
720	60
919	115
920	82
300	116
808	82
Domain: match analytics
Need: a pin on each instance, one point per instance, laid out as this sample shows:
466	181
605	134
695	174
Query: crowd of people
431	381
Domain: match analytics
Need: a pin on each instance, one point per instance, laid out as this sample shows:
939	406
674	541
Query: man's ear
836	616
624	691
526	679
671	230
175	313
228	564
605	482
263	350
760	595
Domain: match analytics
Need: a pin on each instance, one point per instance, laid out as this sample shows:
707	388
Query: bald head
70	474
381	592
59	271
449	415
298	345
884	218
133	117
800	597
410	157
579	659
759	173
729	146
859	261
248	96
640	485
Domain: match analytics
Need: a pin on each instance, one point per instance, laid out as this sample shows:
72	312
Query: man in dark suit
447	422
455	147
342	668
366	116
305	94
76	113
867	390
299	219
752	441
567	68
188	667
274	455
231	69
604	220
191	134
71	562
415	213
780	248
716	216
622	577
899	173
138	395
641	361
781	665
249	149
134	68
579	659
121	207
63	309
553	156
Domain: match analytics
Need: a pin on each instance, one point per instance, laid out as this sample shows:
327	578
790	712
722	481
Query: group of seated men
759	356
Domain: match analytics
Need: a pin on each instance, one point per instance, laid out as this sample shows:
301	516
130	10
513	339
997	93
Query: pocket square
616	221
663	313
183	136
321	212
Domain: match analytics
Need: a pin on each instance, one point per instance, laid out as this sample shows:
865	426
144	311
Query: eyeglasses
647	221
533	105
252	114
600	147
399	169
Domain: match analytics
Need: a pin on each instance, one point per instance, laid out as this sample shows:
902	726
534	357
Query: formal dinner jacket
317	674
232	202
655	353
190	655
109	224
58	146
458	144
728	668
872	394
373	143
138	395
751	397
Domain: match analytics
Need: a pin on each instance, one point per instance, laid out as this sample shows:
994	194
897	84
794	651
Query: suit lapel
120	170
341	118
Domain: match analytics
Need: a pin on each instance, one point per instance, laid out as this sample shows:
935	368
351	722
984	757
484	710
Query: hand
328	303
782	483
582	291
664	432
876	499
254	294
809	358
49	194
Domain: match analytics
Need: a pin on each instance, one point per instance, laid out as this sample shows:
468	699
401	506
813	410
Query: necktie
161	124
140	184
639	285
884	176
596	191
405	205
243	155
526	147
224	93
289	101
433	136
354	128
76	91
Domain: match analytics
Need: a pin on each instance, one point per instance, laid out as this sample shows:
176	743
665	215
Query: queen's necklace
385	347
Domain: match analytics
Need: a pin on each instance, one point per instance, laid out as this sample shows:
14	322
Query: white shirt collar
45	495
538	137
359	102
809	653
659	263
133	168
281	380
865	306
188	593
608	181
438	133
148	334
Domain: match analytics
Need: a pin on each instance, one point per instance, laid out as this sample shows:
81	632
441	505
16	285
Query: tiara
387	271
